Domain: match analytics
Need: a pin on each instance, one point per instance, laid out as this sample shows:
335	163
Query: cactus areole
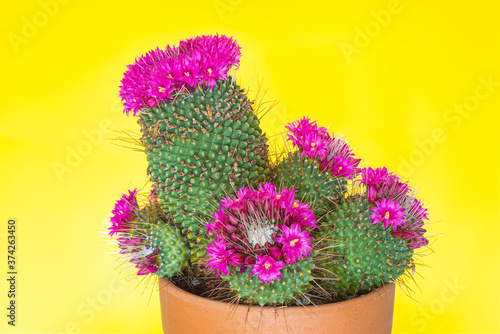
225	221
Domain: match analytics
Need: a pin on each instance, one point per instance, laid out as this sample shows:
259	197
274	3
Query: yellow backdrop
414	84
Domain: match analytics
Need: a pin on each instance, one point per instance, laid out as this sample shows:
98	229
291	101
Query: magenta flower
123	212
267	268
147	264
311	140
388	212
314	146
130	236
383	186
341	162
417	212
374	179
134	90
219	257
340	166
380	183
296	243
138	252
160	86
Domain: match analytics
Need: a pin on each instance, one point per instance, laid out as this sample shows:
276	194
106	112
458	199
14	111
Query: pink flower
340	162
408	234
296	243
130	237
148	265
388	212
275	252
374	179
313	146
397	233
139	253
190	70
219	257
383	186
123	212
160	86
267	268
134	90
339	166
237	259
311	140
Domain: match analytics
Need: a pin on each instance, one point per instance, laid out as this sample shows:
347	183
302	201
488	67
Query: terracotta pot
183	312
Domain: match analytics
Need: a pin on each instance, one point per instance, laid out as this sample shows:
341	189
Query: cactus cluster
313	223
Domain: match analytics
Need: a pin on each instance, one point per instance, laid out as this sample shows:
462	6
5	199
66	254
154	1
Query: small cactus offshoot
260	244
147	238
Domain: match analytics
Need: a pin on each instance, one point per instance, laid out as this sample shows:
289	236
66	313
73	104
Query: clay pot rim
190	297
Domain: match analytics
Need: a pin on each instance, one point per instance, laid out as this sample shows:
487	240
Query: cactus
199	130
200	147
319	231
364	255
319	170
261	245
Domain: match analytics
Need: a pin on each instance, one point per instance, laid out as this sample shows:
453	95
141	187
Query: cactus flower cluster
273	233
262	229
160	75
333	154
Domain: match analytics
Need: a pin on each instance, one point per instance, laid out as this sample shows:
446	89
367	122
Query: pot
183	312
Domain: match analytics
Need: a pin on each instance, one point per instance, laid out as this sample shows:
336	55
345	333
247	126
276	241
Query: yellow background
391	85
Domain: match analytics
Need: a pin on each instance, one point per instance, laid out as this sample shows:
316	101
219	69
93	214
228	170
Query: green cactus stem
295	280
311	185
200	147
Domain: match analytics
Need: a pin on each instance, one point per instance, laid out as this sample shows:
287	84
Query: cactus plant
199	129
316	226
319	170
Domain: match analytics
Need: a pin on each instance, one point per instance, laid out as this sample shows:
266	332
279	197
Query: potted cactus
239	242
